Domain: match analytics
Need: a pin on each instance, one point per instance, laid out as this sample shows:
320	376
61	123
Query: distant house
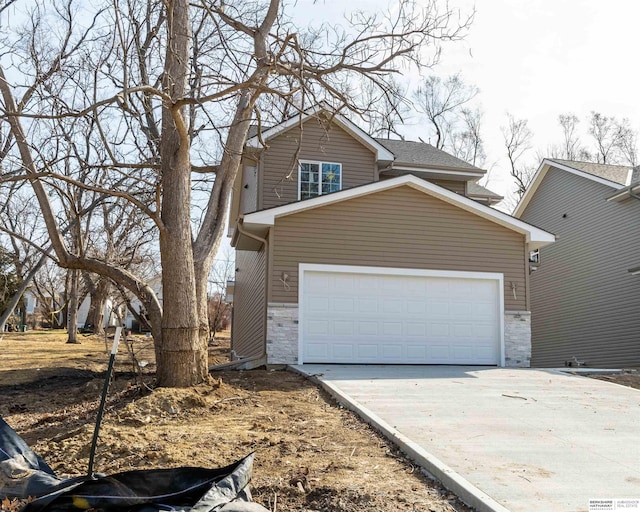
130	321
110	318
39	312
355	249
47	311
585	289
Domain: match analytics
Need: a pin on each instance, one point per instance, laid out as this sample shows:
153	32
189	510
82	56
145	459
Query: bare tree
467	143
627	144
167	90
606	133
442	102
571	146
386	110
517	141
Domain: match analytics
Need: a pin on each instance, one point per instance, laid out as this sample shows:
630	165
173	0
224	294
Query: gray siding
249	306
319	142
397	228
584	302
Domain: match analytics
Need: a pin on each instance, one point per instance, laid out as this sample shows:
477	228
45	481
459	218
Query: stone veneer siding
517	339
282	335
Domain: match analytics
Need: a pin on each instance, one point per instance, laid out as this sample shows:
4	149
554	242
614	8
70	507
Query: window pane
309	178
330	173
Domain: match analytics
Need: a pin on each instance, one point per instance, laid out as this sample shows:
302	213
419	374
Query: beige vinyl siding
459	187
319	143
397	228
584	302
249	306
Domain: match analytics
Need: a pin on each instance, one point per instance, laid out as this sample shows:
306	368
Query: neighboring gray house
352	249
585	298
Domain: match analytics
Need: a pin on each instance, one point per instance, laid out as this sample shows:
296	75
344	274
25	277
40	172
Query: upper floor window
318	178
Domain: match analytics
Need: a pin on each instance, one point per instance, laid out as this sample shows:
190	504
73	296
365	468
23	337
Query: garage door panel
415	288
436	309
368	306
367	351
343	328
393	351
317	350
485	331
377	318
319	282
368	329
318	328
318	304
463	330
416	329
437	329
417	352
392	306
416	307
343	304
461	309
391	328
483	310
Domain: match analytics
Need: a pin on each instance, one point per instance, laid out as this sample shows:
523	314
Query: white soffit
542	172
536	237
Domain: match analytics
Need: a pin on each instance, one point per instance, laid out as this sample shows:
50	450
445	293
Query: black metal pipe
105	389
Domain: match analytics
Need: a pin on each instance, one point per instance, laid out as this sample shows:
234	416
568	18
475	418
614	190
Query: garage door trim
394	271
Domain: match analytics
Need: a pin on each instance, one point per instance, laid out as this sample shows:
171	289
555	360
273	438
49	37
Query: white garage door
382	316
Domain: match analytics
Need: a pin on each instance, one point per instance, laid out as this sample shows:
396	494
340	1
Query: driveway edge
466	491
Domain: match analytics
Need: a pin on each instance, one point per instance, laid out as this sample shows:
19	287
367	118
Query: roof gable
393	154
563	165
536	237
381	152
616	173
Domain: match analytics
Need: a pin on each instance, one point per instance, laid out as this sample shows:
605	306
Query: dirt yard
311	455
629	378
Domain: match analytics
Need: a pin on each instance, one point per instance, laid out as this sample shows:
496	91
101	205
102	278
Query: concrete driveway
514	439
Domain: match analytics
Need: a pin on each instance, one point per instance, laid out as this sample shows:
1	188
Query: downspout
240	363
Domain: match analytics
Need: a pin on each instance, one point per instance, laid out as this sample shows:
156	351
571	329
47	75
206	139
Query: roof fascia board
536	237
382	153
541	173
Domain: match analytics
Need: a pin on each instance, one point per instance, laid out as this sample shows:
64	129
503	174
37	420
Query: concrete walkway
514	439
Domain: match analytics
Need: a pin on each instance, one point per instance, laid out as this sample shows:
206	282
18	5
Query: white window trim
319	163
394	271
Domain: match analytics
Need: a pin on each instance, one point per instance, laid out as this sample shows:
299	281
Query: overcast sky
536	59
540	58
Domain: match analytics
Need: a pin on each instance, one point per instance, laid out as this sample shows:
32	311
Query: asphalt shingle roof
473	189
615	173
423	154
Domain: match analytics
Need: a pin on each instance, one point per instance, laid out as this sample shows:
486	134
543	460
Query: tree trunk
18	295
98	296
181	355
73	294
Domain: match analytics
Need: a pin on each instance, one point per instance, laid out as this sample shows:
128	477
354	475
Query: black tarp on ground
23	474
